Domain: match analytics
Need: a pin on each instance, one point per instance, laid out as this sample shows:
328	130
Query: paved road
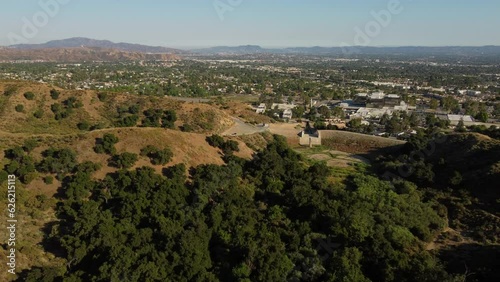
242	128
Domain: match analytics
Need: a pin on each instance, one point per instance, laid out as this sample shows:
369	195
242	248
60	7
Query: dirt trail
242	128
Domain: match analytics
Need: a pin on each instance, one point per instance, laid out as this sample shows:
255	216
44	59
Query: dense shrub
227	147
102	96
84	125
168	119
215	141
128	121
21	165
30	144
60	112
54	94
106	144
29	95
48	179
157	156
134	109
19	108
124	161
72	103
60	161
3	176
159	118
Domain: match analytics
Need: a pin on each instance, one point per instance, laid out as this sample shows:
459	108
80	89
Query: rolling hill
16	126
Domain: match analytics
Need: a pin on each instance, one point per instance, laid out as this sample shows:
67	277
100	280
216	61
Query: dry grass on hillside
356	143
189	148
245	112
201	118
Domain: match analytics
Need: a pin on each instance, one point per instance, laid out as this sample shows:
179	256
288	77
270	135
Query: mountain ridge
354	50
79	54
83	42
75	42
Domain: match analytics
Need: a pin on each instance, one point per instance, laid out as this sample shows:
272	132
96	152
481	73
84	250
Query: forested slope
273	218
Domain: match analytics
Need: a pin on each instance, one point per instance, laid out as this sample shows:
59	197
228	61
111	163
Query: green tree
168	119
29	95
106	144
124	161
30	144
102	96
482	116
338	112
157	156
354	124
54	94
215	141
60	161
48	180
19	108
325	112
84	125
460	126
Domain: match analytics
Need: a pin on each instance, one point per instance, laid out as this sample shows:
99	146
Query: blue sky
269	23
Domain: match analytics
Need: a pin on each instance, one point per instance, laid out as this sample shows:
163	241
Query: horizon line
193	47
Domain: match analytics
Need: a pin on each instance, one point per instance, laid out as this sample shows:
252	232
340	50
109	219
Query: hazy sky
270	23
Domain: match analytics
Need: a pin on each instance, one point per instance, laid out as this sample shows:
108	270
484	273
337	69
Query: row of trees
62	162
65	109
228	147
55	161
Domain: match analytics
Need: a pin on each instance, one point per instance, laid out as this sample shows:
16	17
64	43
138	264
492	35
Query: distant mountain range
247	49
361	50
92	43
81	47
79	54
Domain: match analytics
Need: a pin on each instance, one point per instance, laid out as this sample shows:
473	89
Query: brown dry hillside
202	118
36	200
356	143
244	112
189	148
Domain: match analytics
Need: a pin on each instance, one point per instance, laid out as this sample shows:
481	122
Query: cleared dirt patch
356	143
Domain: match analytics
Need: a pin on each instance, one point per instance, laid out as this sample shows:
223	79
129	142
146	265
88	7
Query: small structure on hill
310	137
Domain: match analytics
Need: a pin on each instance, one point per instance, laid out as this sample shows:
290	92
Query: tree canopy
273	218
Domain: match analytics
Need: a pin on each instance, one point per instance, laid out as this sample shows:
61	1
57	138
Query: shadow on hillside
49	244
373	154
480	262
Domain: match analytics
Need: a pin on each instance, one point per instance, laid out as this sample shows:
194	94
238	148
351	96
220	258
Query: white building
457	118
283	106
261	108
377	96
287	114
371	113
